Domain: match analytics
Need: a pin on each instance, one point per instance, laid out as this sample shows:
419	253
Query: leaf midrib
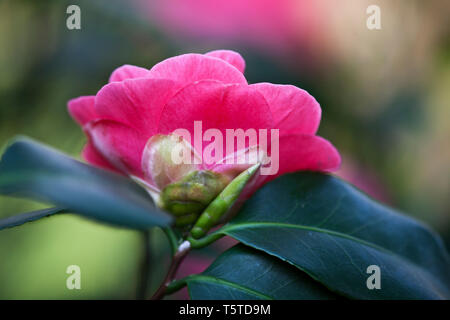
238	226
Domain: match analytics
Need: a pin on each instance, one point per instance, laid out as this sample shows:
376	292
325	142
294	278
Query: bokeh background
385	96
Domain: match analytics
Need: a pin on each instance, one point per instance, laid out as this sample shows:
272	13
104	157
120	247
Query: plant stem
177	285
206	240
144	278
173	239
181	253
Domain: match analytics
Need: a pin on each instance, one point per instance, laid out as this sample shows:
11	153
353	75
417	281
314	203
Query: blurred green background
384	96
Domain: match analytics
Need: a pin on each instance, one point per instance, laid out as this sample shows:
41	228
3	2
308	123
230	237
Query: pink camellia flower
130	122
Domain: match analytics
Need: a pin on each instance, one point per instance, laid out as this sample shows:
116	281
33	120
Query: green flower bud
192	194
222	203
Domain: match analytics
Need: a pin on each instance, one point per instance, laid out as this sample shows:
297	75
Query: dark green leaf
22	218
333	232
30	169
245	273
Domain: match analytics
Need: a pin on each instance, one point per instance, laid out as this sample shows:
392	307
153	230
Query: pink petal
119	144
91	155
127	72
137	103
232	57
305	152
188	68
294	110
297	152
218	107
233	164
82	109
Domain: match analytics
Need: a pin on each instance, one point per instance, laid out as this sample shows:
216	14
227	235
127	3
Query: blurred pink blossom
271	25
